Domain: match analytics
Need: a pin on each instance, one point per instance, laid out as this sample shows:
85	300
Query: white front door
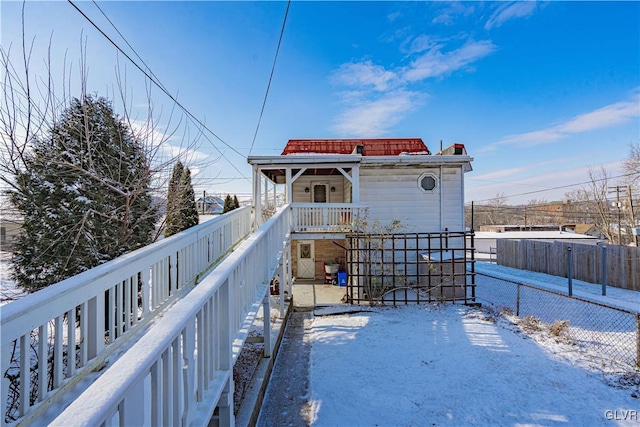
306	260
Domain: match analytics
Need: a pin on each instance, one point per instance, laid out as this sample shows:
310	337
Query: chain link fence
610	332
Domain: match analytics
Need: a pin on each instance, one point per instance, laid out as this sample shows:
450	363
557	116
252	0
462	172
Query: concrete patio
309	294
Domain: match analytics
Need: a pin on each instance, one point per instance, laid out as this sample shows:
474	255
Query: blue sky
537	91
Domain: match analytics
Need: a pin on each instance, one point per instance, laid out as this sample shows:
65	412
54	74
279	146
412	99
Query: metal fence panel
610	332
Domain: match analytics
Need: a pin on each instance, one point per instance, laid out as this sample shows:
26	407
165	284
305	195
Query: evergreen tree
172	221
188	208
84	196
236	204
182	211
228	204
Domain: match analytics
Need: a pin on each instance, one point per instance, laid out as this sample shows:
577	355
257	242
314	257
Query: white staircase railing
182	368
53	338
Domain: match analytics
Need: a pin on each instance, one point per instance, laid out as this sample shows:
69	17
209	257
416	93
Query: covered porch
323	189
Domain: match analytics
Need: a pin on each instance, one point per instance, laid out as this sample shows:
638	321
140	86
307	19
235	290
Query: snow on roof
371	147
441	256
531	235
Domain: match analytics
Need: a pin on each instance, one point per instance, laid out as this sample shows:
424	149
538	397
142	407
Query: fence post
570	270
603	275
518	301
266	312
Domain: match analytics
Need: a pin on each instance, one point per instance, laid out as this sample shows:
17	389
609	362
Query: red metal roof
372	147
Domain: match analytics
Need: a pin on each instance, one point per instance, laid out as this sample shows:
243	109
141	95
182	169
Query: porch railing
325	217
183	365
51	339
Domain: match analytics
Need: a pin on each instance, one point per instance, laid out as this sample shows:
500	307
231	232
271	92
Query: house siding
393	194
305	181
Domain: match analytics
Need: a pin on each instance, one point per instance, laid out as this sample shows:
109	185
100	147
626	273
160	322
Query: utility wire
166	92
273	67
556	188
126	41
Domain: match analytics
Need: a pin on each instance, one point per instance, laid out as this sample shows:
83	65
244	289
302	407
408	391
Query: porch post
289	186
275	195
257	199
266	191
266	311
355	184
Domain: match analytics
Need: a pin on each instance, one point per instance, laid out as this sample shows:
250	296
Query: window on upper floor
427	182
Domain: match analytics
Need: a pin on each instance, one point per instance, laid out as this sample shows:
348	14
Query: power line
126	41
556	188
273	67
166	92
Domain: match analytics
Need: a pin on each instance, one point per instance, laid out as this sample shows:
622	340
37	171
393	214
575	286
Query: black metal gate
403	268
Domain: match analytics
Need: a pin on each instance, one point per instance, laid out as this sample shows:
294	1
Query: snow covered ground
458	366
609	333
616	297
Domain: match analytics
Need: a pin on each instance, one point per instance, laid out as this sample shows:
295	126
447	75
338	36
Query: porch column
266	190
289	186
355	184
257	196
275	196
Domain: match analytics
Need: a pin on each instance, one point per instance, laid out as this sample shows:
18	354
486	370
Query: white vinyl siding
394	194
305	181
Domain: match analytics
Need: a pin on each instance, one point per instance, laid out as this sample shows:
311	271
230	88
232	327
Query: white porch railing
53	338
325	217
183	365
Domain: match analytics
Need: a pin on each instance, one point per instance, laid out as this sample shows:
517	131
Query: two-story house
338	186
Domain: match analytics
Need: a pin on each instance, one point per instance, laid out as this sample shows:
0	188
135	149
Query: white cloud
422	43
434	63
451	11
374	117
507	11
535	186
607	116
187	155
547	179
393	16
364	74
376	97
502	173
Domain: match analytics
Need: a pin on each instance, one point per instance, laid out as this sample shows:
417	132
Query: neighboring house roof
534	235
214	205
371	147
588	229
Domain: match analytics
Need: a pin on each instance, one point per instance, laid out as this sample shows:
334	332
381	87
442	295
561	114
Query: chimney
358	149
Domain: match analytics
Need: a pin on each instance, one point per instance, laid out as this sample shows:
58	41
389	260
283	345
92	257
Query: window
427	182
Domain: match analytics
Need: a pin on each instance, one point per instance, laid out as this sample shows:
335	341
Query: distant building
10	225
486	242
210	205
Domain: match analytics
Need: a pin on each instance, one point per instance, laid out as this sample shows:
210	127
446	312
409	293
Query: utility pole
634	236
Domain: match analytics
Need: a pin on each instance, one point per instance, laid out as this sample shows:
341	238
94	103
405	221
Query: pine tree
84	196
188	208
228	204
236	204
172	221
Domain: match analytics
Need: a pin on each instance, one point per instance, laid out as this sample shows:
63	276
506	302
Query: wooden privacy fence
621	263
